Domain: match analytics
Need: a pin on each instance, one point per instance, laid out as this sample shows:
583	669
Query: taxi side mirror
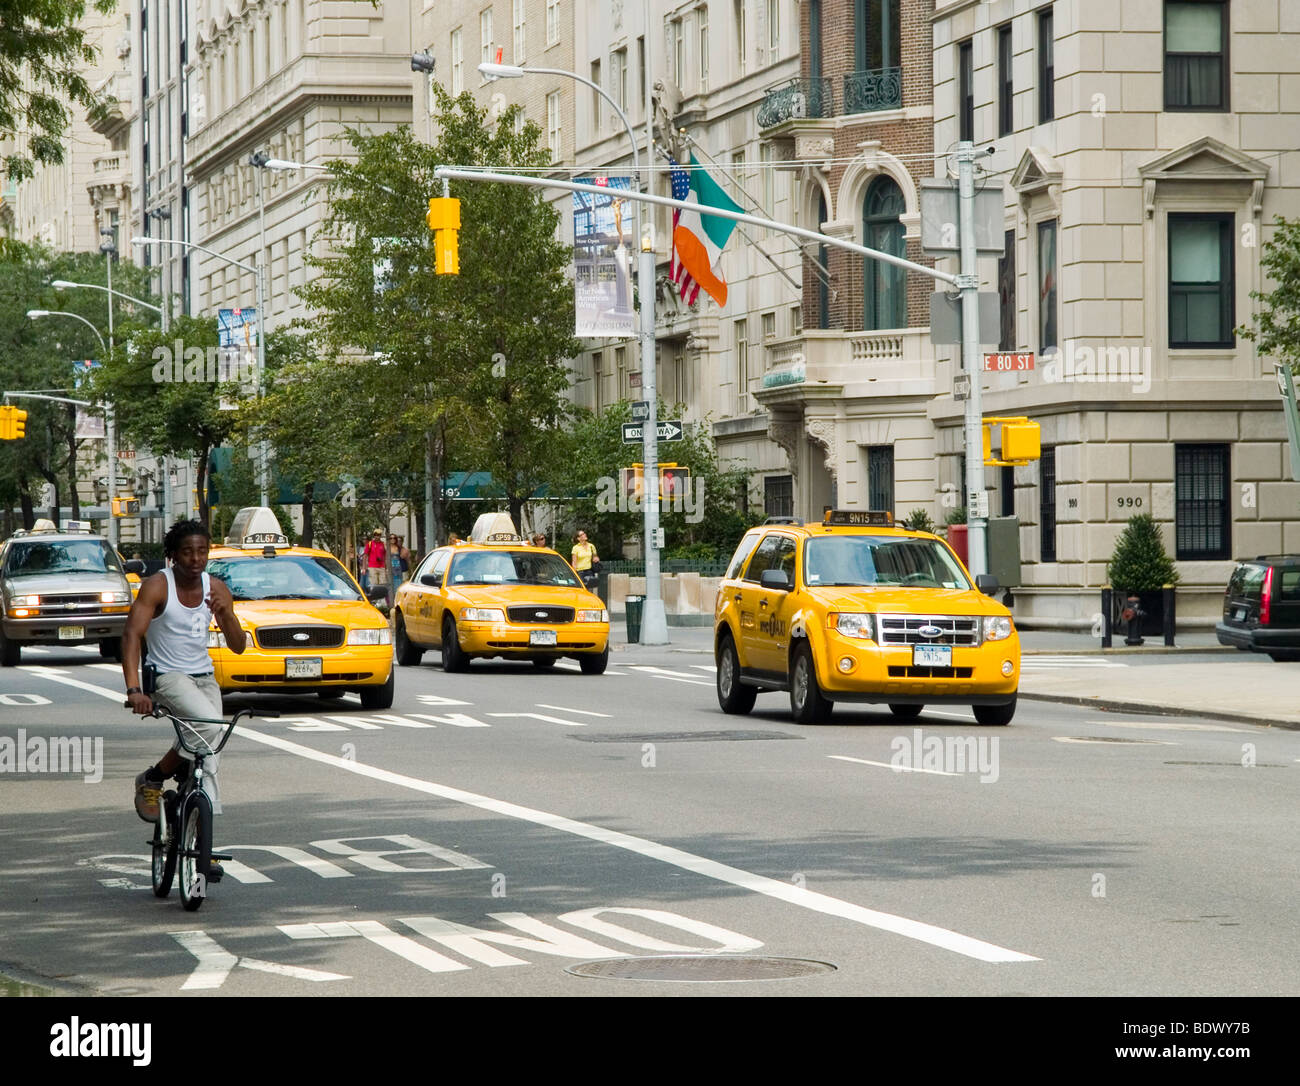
431	580
377	592
986	583
775	578
136	566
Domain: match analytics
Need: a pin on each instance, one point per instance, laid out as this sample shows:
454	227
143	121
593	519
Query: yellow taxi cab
496	596
310	628
854	609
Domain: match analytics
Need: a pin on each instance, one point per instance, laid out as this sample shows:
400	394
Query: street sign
1009	363
667	431
640	408
961	386
977	507
945	318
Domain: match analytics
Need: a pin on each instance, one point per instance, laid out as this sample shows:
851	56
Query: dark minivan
1261	607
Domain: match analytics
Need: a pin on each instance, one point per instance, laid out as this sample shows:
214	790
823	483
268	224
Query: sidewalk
1228	685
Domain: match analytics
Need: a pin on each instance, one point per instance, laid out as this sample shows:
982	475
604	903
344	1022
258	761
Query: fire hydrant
1133	616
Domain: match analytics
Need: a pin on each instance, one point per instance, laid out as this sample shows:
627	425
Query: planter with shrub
1139	568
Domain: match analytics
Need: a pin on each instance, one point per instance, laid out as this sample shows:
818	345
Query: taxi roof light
859	518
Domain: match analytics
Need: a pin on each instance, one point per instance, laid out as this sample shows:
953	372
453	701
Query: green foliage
1139	562
693	552
918	520
43	53
1276	331
956	516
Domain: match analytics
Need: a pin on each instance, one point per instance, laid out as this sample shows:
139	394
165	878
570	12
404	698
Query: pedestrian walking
585	559
377	559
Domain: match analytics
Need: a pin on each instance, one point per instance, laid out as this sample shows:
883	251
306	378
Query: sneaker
147	794
215	871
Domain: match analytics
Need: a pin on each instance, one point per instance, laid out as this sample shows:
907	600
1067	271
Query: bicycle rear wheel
195	849
164	854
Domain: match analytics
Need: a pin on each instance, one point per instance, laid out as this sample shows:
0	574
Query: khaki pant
189	697
379	575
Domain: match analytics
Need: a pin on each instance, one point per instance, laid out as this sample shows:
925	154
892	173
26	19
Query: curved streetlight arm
34	313
201	248
62	284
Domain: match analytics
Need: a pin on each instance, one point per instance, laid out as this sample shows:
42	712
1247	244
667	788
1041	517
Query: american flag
681	185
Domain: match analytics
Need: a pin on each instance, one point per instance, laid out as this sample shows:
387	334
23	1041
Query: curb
1148	709
1132	650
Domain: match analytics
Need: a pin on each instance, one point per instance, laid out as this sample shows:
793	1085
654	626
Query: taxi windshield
61	556
867	560
510	567
284	577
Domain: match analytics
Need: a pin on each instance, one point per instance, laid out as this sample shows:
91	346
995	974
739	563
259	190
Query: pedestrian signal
674	480
126	507
444	220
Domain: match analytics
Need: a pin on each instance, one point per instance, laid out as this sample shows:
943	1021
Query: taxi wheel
594	665
453	656
995	714
808	705
378	697
408	652
733	695
906	712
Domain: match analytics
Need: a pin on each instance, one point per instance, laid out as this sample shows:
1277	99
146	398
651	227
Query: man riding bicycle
172	614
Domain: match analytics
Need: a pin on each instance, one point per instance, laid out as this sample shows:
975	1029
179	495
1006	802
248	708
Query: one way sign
667	431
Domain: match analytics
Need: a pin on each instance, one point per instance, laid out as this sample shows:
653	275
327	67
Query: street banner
602	257
237	328
90	425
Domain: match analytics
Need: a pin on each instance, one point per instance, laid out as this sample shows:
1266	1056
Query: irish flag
698	238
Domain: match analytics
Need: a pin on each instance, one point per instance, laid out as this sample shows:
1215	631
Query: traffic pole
968	284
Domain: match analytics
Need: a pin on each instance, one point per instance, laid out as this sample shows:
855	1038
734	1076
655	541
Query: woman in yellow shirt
584	555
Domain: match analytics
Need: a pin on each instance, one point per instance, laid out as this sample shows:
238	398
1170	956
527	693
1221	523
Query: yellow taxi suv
500	599
310	629
854	609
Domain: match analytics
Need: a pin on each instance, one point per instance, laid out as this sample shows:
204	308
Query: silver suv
65	588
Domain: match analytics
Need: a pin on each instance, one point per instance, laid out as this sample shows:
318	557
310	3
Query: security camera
990	150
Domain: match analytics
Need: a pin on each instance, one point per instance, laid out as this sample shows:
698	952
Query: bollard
1107	615
1170	614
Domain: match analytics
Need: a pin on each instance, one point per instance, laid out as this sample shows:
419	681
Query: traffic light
674	480
444	220
126	506
1020	444
13	423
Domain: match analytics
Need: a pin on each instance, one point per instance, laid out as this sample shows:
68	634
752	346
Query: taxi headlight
383	636
593	616
997	628
853	624
115	597
482	614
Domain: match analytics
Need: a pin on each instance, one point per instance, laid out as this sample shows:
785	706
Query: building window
884	285
778	496
677	40
823	273
1046	68
595	96
553	124
773	29
880	477
520	31
552	22
877	37
1047	504
1196	55
796	320
457	64
703	26
769	327
815	39
1006	88
738	7
639	87
1007	487
618	77
767	179
1201	279
1007	293
1047	339
740	353
485	36
1202	524
966	90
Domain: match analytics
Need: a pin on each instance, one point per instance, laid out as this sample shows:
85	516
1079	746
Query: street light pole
654	623
969	284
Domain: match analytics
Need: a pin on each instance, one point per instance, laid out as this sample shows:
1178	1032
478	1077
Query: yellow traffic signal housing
127	506
673	481
13	422
1021	441
444	220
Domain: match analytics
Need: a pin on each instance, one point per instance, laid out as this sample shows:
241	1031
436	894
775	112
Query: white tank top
178	638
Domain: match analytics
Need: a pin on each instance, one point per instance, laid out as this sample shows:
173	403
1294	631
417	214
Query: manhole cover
682	737
701	968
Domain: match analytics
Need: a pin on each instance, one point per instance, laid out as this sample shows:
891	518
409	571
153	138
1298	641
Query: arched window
884	285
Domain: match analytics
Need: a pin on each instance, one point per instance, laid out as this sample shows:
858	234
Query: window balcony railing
797	100
870	92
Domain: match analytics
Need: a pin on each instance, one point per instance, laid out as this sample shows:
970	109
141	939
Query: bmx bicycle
182	836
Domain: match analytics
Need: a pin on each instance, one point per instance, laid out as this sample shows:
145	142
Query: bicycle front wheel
195	849
164	854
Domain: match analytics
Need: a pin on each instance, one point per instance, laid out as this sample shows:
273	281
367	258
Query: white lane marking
37	649
1101	740
664	673
55	675
890	765
1035	662
566	709
84	648
733	876
543	716
298	972
1168	726
215	963
116	668
704	667
373	931
941	712
435	699
568	665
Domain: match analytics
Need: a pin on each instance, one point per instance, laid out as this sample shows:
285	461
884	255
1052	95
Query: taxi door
766	635
424	616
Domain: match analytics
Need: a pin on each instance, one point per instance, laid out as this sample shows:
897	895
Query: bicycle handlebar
179	722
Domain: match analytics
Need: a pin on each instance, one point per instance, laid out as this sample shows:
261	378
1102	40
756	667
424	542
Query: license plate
932	656
541	637
304	667
72	633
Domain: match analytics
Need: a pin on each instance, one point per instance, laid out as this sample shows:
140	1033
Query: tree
1139	562
472	366
168	390
43	52
1276	330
